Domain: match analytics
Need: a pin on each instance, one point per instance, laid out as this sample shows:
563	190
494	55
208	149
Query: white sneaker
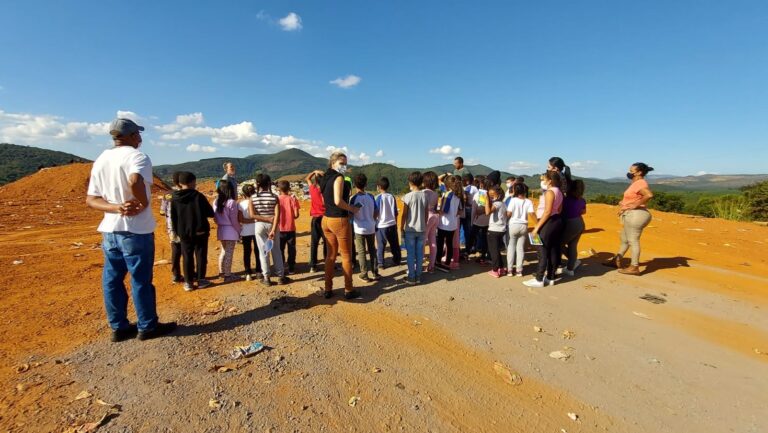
533	282
549	282
188	287
510	272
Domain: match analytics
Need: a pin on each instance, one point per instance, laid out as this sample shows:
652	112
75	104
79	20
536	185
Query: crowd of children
437	213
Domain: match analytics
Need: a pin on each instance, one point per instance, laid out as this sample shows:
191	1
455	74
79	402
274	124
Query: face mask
630	176
342	168
543	186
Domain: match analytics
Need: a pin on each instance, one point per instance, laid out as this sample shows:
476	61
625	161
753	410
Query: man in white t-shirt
119	186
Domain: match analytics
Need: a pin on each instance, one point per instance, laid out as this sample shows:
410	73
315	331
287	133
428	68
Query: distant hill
19	161
297	161
709	182
287	162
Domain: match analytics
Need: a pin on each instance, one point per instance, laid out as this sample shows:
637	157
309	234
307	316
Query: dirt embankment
461	353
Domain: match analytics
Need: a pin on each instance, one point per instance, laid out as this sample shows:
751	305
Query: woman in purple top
574	206
225	211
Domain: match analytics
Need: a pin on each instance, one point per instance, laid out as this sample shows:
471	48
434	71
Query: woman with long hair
336	226
225	213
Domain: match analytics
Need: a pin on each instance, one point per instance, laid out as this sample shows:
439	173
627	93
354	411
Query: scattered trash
559	354
375	370
567	334
641	315
654	361
573	416
18	262
109	405
353	401
246	351
760	352
416	323
653	299
25	367
91	426
83	394
232	366
214	404
508	375
162	262
537	329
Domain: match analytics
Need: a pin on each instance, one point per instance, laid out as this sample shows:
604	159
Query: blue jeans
132	253
414	246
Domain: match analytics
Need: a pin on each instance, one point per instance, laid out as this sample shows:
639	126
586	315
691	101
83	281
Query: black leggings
316	234
495	244
195	252
549	253
249	247
288	240
445	239
176	260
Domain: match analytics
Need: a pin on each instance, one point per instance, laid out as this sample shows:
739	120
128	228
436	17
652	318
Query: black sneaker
351	295
266	282
283	280
124	334
328	294
443	268
176	280
376	277
160	330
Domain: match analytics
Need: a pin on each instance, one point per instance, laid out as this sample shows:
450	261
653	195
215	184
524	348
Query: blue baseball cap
121	127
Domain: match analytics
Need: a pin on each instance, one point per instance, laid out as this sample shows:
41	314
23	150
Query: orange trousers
338	236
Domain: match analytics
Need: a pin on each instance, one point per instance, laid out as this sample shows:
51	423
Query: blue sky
680	85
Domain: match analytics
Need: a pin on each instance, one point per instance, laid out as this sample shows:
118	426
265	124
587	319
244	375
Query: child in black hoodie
190	211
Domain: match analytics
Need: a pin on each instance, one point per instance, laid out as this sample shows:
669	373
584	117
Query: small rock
18	262
353	401
83	394
559	354
573	416
375	370
538	329
567	334
214	404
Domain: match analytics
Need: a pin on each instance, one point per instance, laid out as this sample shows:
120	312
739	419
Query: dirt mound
68	182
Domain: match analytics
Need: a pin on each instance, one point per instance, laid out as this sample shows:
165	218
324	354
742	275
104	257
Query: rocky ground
460	353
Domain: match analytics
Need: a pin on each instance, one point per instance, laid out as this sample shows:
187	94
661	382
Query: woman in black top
336	227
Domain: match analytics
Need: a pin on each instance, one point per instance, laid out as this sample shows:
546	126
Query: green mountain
19	161
291	161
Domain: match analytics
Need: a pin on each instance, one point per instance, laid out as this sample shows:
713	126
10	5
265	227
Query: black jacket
190	211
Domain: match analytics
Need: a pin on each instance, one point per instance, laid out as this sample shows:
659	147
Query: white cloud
518	167
290	22
704	173
584	165
24	128
379	153
347	82
240	135
199	148
446	150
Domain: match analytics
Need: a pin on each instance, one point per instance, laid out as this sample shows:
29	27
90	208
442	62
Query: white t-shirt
109	180
246	229
520	209
449	220
363	221
498	218
387	210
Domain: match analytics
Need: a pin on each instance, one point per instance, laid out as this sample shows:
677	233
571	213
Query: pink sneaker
494	273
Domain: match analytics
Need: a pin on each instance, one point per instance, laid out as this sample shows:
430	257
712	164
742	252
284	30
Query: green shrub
667	202
731	207
756	197
612	200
